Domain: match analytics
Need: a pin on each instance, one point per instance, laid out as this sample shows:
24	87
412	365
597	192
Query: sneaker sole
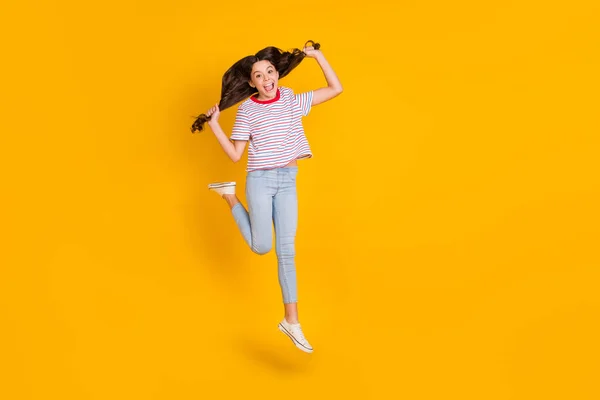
220	185
296	343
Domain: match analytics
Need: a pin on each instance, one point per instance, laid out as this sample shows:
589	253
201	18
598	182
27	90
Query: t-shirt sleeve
241	126
304	100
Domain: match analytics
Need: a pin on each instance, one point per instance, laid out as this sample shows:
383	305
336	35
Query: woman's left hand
311	52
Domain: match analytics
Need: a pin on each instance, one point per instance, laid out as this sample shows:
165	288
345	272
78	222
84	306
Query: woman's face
264	78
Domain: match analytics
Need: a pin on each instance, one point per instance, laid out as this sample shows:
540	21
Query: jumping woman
269	121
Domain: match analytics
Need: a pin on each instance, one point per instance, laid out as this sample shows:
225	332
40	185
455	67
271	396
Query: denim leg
255	224
285	217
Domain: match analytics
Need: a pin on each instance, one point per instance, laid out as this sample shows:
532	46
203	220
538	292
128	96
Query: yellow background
449	220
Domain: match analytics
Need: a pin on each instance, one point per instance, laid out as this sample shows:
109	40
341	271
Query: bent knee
262	248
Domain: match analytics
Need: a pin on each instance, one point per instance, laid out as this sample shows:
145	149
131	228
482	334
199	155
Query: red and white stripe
274	129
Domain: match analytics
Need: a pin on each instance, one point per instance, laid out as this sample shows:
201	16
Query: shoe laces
299	334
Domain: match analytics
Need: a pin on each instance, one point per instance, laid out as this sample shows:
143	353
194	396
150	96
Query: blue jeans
272	199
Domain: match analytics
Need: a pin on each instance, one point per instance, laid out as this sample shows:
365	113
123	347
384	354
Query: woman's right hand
213	113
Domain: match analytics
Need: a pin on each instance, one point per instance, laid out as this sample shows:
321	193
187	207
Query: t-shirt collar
277	96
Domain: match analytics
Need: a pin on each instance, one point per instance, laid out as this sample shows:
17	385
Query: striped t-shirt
274	128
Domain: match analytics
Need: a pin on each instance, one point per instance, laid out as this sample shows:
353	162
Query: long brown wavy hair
235	87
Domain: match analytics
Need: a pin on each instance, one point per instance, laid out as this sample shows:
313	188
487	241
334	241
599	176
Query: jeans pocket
292	172
259	173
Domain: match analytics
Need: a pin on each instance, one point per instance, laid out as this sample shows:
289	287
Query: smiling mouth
269	87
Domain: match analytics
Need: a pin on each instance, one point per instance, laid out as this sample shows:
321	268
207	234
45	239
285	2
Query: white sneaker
222	187
294	332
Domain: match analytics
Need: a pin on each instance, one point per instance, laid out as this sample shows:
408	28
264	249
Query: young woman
269	122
